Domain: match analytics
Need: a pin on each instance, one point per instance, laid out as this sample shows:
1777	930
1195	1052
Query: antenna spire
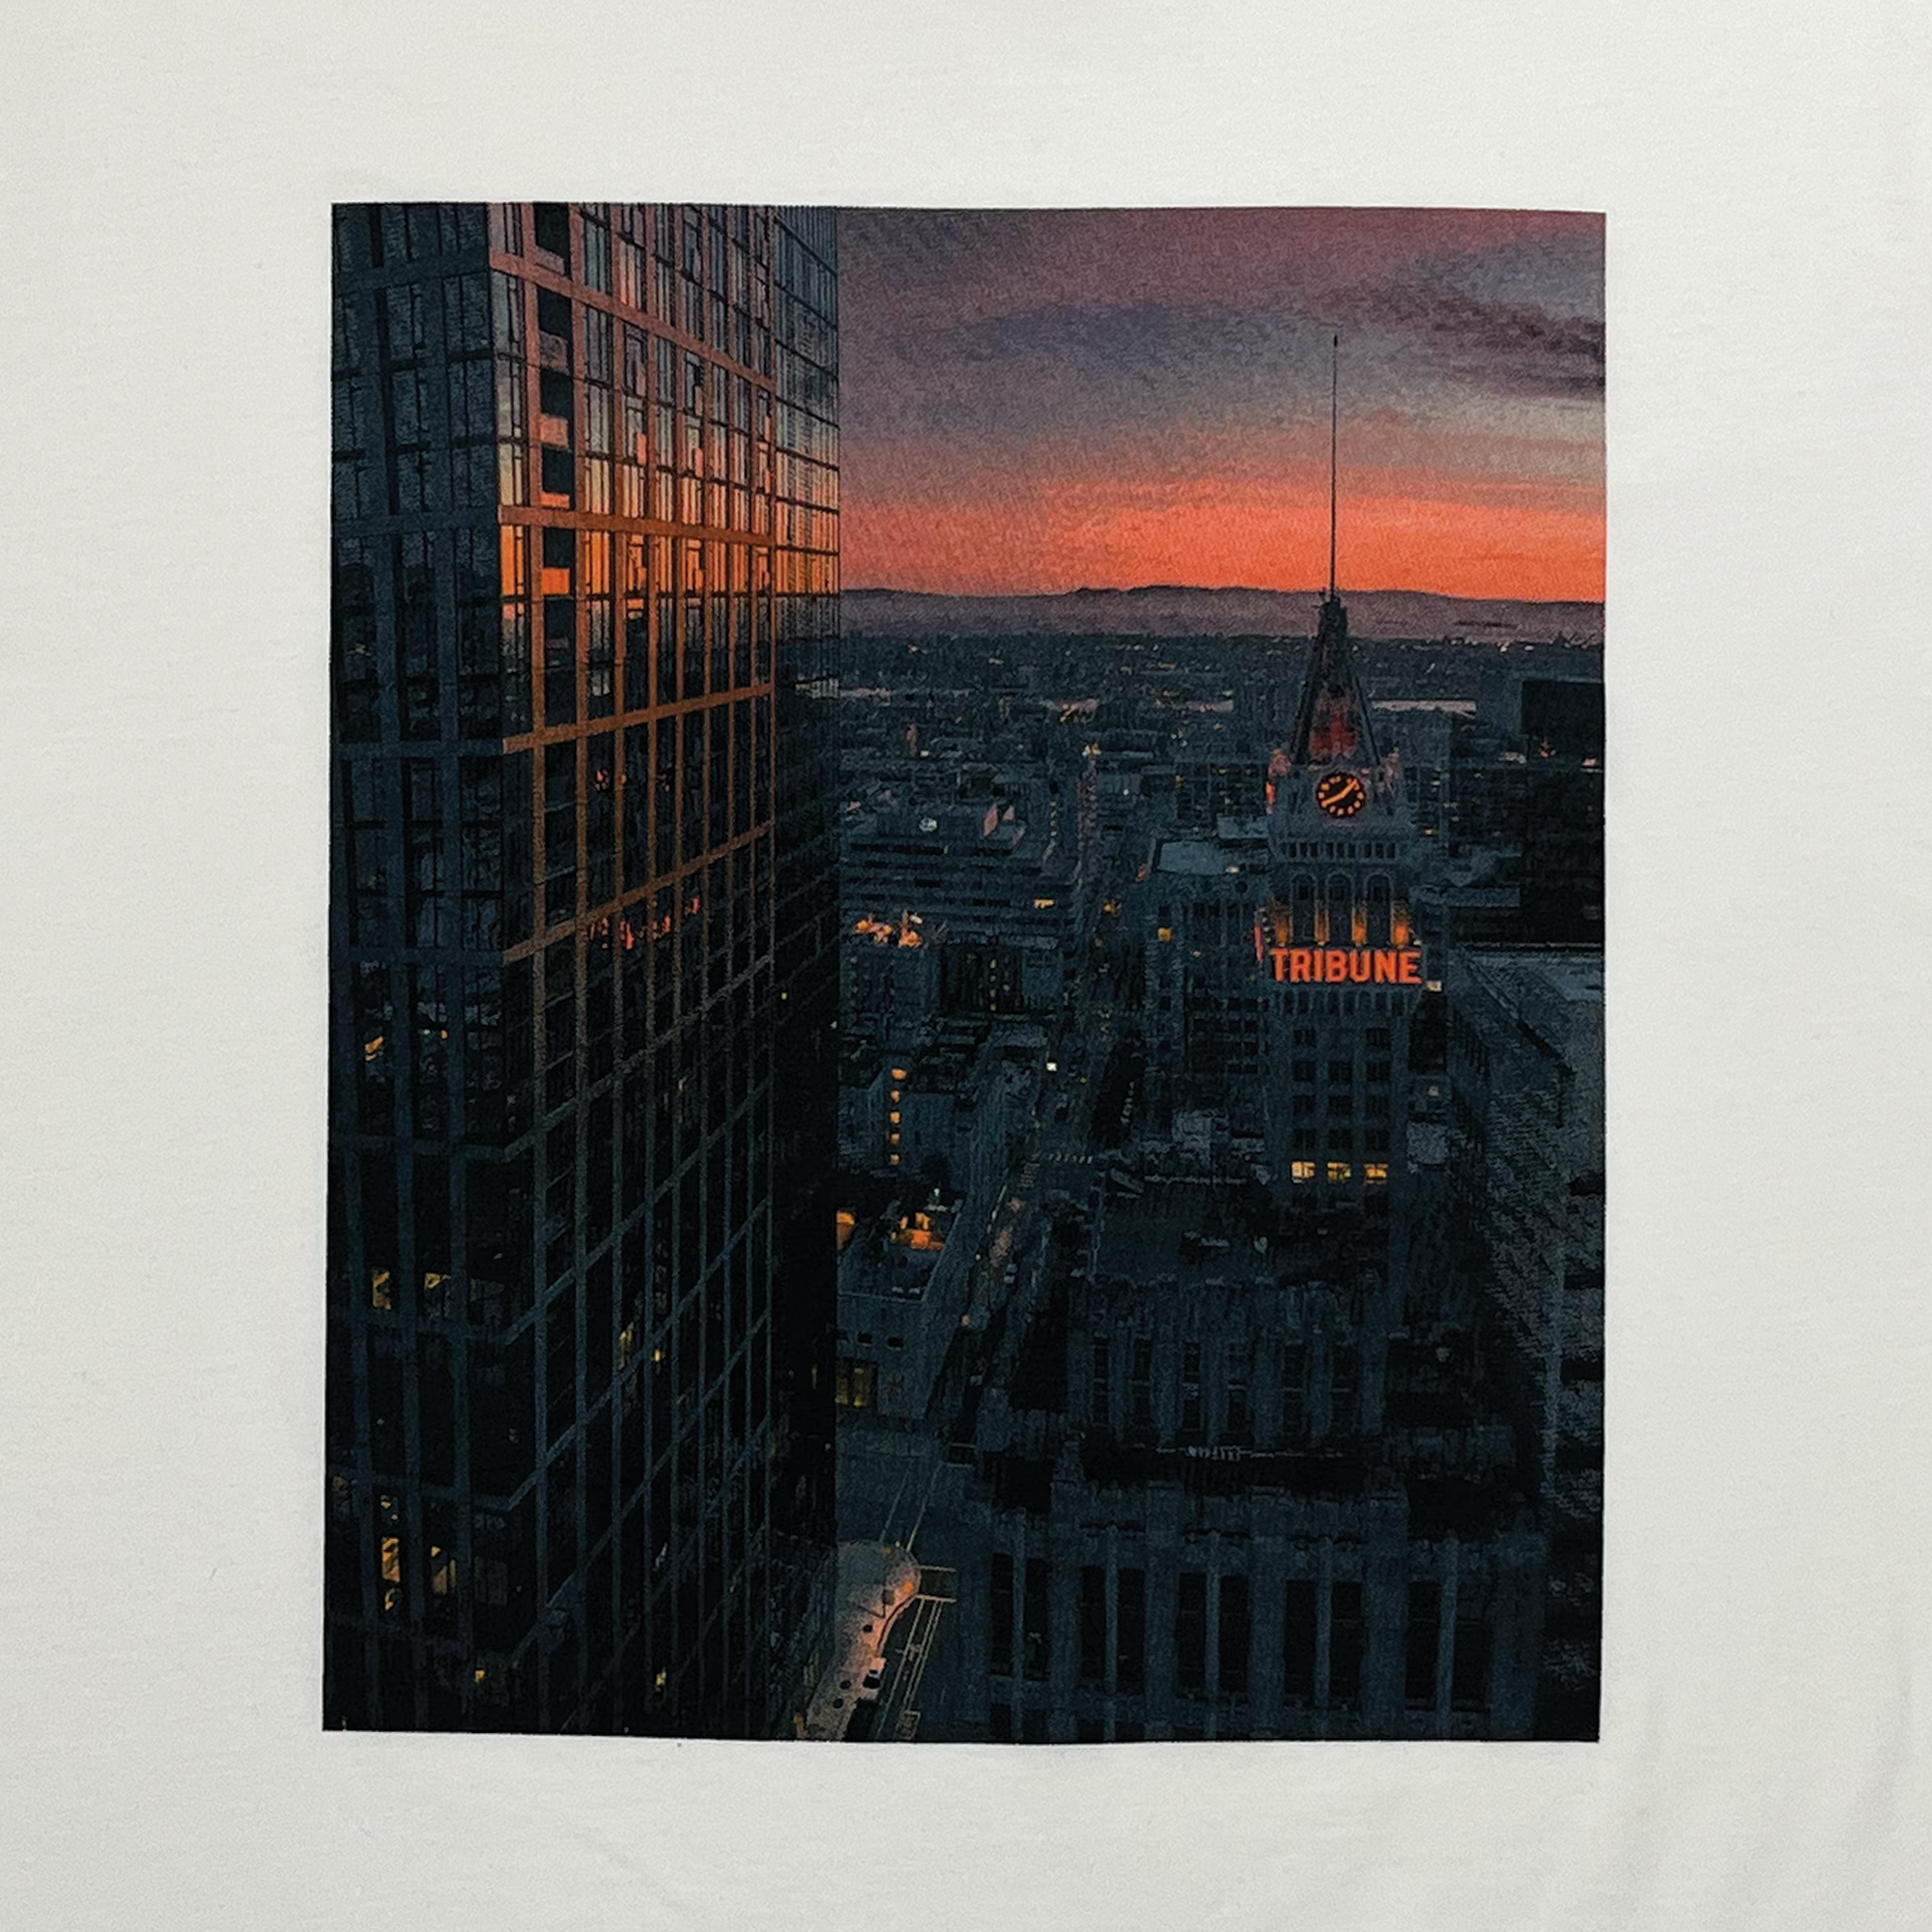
1334	421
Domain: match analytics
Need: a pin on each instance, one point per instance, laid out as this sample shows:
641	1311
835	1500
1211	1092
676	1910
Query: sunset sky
1038	401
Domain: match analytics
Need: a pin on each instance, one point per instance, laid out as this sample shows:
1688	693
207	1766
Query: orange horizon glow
1053	541
1039	401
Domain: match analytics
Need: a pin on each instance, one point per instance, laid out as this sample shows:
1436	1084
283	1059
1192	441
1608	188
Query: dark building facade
1525	812
580	1260
1225	1496
1526	1230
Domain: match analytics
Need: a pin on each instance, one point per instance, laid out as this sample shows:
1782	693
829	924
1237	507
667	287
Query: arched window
1379	909
1341	899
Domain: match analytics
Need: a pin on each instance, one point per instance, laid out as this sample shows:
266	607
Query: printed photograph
966	964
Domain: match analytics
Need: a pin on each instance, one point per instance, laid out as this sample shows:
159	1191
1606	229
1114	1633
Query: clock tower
1335	939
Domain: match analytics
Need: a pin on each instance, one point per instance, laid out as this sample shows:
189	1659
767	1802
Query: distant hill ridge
1185	609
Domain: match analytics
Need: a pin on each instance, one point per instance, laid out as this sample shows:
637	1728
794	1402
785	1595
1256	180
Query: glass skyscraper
583	1097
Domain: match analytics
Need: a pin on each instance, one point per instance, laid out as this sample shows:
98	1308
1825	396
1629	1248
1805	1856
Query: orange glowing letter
1386	968
1338	965
1299	964
1411	969
1359	966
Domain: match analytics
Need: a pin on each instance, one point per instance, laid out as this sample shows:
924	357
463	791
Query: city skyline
979	1185
1039	401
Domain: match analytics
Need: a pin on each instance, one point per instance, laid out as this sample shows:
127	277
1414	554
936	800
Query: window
555	406
1425	1623
559	852
1344	1389
596	253
1190	1631
1233	1636
1141	1390
549	228
1345	1644
1092	1625
554	324
1294	1389
1129	1630
1238	1429
1036	1622
1339	1172
1000	1616
558	483
1376	1172
1469	1672
1297	1642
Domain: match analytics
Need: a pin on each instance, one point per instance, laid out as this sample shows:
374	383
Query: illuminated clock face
1341	794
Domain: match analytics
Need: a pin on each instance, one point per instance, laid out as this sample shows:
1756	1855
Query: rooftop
1559	995
876	1582
1196	858
1529	976
1181	1230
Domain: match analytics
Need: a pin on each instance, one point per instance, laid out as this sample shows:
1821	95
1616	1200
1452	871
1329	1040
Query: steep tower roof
1333	732
1332	723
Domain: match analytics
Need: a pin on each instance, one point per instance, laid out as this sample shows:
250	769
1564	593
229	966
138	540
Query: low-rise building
902	1287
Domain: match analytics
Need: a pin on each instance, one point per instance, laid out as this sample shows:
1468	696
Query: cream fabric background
1768	175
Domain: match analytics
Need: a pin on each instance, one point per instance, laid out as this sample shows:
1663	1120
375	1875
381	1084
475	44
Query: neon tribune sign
1348	965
